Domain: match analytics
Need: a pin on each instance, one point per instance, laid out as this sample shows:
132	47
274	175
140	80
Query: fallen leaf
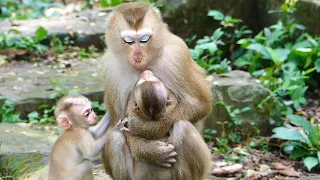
265	170
68	27
289	172
227	170
278	166
40	72
7	131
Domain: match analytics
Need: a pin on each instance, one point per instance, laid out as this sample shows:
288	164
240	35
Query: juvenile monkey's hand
122	125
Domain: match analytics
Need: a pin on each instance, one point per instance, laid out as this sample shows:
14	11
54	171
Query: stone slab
30	86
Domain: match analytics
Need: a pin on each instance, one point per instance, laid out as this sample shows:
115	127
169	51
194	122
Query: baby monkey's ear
64	122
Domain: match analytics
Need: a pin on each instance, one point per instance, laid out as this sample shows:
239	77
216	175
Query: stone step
30	86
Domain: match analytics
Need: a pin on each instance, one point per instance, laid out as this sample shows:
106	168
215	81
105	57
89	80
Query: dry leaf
289	172
7	131
278	166
227	170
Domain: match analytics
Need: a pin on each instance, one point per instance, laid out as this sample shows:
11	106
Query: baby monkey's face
150	95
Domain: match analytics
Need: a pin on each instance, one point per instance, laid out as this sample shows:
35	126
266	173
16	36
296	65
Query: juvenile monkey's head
75	111
135	34
150	95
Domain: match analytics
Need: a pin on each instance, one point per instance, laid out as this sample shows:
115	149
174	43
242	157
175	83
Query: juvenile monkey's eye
128	40
144	39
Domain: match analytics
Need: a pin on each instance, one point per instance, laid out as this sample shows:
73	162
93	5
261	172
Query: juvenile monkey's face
86	114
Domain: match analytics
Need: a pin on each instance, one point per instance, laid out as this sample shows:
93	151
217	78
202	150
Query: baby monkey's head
150	95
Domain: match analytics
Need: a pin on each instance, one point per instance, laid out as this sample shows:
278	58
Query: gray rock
85	29
189	17
239	90
30	86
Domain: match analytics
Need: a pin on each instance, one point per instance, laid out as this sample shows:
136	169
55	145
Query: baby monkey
80	142
185	154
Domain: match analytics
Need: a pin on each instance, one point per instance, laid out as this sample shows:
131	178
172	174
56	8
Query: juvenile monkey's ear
64	122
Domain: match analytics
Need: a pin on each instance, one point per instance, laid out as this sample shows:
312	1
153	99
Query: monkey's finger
167	165
124	129
172	160
173	154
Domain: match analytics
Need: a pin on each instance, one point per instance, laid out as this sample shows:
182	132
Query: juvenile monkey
149	118
138	39
81	141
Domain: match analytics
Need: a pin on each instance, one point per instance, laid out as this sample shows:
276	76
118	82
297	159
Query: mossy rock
239	90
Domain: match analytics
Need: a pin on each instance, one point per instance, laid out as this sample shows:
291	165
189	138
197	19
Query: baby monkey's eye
87	112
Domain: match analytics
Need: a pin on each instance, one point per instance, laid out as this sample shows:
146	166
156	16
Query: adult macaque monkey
81	141
137	40
149	118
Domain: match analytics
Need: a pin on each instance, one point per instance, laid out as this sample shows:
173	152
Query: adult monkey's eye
128	40
144	38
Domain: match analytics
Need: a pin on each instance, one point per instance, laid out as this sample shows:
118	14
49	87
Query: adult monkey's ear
64	121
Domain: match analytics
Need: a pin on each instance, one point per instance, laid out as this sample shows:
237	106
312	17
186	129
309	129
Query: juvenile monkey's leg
194	157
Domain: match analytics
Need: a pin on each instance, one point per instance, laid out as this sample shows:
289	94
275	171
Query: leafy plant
56	44
25	9
44	118
14	40
211	52
303	141
282	56
8	113
234	133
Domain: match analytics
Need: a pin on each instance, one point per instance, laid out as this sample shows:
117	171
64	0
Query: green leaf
242	61
317	65
217	15
41	34
310	162
217	34
289	134
259	48
33	115
298	152
300	121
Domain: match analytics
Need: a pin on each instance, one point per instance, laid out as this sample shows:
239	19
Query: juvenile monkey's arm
97	145
98	130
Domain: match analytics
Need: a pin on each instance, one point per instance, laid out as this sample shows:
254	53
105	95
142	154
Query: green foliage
59	91
57	45
234	134
109	3
303	142
282	56
208	134
14	40
25	9
8	113
46	117
210	52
